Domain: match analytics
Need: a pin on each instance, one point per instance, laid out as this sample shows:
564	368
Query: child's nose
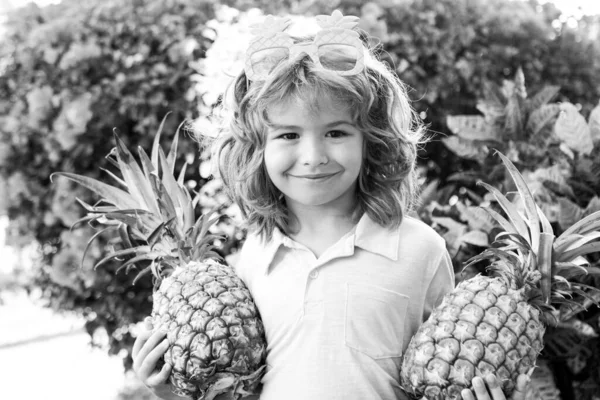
313	153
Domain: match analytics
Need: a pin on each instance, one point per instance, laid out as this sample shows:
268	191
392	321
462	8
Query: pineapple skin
482	327
213	328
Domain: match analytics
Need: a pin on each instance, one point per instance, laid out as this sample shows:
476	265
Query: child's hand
493	390
148	348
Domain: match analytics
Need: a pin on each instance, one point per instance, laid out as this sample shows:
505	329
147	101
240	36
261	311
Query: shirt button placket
314	274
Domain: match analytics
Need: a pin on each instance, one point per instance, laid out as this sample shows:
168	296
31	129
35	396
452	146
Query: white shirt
336	326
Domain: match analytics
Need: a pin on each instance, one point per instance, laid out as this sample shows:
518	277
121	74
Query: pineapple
338	30
495	325
270	45
216	337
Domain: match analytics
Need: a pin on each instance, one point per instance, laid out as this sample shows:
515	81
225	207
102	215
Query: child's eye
288	136
336	134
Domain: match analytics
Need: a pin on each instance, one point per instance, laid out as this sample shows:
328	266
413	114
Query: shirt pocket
374	320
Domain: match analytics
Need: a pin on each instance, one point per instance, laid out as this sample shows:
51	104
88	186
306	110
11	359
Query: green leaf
587	224
469	149
476	238
494	93
132	221
110	194
137	182
514	123
156	233
583	239
165	202
144	272
472	127
504	223
96	209
580	251
572	129
520	89
140	250
116	178
172	156
531	209
593	206
454	230
124	234
542	97
147	166
545	265
540	117
581	306
156	143
514	241
153	255
569	213
565	240
594	124
546	226
181	179
491	110
475	217
172	188
511	211
87	246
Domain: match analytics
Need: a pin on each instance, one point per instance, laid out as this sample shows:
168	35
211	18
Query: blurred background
483	74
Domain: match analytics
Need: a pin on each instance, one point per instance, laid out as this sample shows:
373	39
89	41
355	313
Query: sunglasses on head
336	47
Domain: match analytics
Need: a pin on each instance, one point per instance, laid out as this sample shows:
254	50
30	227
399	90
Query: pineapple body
482	327
213	328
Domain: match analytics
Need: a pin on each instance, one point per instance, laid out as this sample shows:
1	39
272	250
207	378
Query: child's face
314	157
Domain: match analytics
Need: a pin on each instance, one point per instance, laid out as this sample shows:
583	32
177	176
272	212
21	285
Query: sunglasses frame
342	36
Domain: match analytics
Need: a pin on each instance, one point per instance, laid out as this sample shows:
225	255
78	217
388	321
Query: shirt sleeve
441	284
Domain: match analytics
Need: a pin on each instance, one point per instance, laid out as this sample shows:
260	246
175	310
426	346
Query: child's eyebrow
296	127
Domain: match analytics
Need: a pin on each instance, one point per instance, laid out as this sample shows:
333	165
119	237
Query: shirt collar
368	236
372	237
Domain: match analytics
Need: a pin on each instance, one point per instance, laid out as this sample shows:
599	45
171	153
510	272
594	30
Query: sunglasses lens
263	61
338	57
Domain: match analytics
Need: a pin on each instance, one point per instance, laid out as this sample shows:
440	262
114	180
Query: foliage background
71	72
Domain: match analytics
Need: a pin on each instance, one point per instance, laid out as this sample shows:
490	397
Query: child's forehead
313	104
299	107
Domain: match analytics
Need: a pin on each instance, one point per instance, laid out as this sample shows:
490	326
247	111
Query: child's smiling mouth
315	177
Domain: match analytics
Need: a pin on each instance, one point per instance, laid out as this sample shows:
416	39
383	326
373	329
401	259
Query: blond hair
377	100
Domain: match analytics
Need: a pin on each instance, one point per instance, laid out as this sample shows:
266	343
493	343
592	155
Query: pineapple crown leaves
527	253
337	20
270	27
273	25
154	215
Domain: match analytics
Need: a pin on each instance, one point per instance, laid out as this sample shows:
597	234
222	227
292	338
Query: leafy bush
69	74
447	50
550	142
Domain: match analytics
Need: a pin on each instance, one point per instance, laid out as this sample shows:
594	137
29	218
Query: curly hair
378	101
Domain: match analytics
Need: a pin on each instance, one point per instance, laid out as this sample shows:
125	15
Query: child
318	150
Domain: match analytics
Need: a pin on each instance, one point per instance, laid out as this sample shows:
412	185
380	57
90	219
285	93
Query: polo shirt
336	326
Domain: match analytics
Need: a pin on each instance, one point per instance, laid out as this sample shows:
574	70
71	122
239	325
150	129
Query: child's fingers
140	340
160	378
480	389
521	388
466	394
146	348
149	364
148	323
494	388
